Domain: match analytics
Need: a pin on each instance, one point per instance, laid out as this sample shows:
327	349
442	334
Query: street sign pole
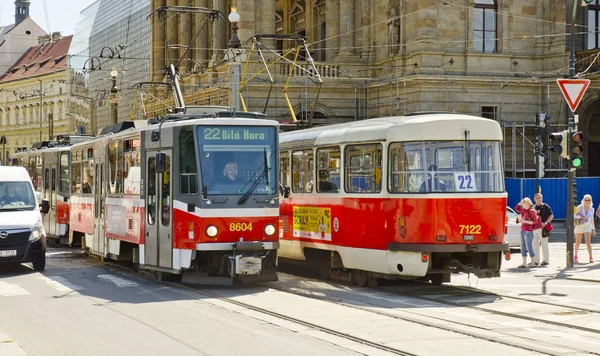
573	90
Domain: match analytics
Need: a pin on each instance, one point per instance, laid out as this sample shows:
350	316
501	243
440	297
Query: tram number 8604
240	227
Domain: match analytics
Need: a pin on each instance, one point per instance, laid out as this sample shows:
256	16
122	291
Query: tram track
439	323
362	341
442	323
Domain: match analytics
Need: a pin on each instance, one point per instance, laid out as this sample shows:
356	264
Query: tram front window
235	160
445	167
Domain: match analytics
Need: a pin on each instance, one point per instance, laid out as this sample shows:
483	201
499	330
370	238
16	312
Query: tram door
50	173
98	247
159	236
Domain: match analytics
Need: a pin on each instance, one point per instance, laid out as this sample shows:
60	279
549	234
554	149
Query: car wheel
39	264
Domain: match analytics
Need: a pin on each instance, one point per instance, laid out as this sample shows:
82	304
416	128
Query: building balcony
583	60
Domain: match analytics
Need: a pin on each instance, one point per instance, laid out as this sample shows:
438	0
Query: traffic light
561	144
576	148
541	163
542	121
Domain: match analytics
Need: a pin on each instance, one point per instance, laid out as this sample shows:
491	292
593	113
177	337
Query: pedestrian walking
529	222
541	235
584	225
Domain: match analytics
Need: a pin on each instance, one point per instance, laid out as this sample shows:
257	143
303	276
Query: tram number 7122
470	229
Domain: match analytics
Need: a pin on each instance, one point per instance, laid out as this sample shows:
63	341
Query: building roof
44	59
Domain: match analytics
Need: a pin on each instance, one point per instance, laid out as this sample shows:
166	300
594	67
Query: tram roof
427	127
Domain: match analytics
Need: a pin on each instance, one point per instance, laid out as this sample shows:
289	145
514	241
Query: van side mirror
161	162
45	206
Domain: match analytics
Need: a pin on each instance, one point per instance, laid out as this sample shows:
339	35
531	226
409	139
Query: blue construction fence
554	191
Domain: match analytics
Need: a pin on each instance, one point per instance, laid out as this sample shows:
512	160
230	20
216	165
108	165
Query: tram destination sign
233	134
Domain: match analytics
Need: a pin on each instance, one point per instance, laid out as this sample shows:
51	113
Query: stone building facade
33	95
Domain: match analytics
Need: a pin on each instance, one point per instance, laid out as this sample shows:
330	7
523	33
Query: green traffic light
577	162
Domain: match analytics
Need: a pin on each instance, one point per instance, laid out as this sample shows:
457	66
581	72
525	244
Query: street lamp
114	98
234	18
234	44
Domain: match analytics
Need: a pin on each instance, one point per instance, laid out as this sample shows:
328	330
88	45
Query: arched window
593	23
485	26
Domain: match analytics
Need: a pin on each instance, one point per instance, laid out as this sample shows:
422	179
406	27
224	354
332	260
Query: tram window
361	174
188	169
76	177
284	169
151	190
53	179
132	169
64	172
87	178
166	194
115	158
47	178
328	169
38	173
422	167
302	171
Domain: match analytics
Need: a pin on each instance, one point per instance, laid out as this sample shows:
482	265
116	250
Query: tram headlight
212	231
269	229
38	231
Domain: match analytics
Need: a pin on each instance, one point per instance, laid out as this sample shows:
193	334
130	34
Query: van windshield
16	196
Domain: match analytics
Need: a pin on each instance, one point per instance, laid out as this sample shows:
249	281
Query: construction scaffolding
519	151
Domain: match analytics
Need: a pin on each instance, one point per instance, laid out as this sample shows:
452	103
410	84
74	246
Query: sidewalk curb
9	347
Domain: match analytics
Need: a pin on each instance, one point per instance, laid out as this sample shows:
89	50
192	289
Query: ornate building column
200	52
346	30
267	21
157	44
185	36
172	23
332	24
219	42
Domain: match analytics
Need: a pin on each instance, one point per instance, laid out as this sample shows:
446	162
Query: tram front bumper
393	246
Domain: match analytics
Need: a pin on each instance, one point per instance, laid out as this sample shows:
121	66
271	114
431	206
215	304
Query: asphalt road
77	307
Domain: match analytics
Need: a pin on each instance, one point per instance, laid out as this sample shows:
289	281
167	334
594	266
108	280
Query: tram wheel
161	276
324	268
361	277
437	279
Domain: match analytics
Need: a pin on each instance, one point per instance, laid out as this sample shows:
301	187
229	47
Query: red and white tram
48	164
418	196
196	191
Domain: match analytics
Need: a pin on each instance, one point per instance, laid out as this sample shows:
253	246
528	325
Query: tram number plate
468	237
248	265
8	253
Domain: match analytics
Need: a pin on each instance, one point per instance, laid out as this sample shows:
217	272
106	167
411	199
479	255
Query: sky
62	14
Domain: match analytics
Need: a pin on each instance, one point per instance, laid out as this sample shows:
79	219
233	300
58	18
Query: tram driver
230	172
433	183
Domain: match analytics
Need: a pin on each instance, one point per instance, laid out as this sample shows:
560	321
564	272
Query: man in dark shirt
545	214
432	184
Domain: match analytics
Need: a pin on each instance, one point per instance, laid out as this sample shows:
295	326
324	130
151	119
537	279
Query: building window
489	112
484	26
593	14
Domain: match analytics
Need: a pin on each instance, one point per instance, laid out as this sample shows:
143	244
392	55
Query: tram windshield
445	166
238	160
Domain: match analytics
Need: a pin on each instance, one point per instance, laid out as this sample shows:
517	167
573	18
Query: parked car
22	235
513	231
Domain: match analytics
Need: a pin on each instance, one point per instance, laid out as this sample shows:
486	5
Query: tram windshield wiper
264	173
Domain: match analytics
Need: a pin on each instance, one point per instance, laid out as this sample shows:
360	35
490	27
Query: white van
22	235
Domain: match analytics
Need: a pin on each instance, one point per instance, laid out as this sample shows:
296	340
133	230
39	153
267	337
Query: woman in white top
584	225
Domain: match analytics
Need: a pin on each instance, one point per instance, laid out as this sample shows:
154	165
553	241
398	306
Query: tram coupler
480	273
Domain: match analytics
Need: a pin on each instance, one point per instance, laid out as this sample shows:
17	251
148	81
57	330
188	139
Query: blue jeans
527	243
